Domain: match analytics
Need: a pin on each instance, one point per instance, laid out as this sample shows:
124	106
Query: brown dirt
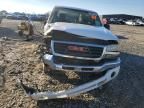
22	59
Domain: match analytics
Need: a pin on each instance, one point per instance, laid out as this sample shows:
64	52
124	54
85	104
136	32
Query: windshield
75	16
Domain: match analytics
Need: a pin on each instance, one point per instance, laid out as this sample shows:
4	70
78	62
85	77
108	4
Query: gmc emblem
78	49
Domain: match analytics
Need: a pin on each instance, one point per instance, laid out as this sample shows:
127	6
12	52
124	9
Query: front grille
92	51
77	62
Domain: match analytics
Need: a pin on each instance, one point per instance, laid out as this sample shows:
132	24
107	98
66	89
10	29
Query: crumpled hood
83	30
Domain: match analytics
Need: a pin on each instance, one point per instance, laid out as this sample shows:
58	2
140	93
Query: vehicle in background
121	21
11	16
112	21
117	21
132	23
136	22
23	16
140	22
40	17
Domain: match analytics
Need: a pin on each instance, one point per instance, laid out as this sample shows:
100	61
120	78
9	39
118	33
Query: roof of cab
74	8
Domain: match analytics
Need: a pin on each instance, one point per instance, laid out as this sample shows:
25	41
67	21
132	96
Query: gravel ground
19	58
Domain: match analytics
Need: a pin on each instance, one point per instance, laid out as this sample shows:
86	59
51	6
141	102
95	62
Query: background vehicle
117	21
140	22
131	22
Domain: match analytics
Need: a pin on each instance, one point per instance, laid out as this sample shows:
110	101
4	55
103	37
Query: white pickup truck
76	40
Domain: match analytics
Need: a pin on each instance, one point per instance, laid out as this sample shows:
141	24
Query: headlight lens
111	55
112	48
112	51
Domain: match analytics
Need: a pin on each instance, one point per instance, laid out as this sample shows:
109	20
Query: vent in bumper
77	62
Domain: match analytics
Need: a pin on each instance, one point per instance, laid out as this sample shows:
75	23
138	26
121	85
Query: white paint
77	90
87	31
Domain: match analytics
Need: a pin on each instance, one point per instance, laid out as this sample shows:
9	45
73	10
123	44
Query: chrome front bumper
48	59
110	74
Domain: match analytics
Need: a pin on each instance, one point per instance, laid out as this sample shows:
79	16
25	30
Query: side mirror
107	26
106	23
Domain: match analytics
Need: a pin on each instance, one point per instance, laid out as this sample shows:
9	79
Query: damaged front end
71	50
77	42
79	53
34	94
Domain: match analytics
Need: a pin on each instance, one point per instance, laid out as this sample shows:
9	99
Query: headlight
112	48
111	55
112	51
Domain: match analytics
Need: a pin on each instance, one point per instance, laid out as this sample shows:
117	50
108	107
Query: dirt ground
22	59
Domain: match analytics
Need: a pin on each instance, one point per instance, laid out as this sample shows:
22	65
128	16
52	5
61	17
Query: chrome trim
112	53
48	59
84	44
73	91
79	43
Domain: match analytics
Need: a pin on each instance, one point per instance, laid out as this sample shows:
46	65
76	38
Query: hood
86	31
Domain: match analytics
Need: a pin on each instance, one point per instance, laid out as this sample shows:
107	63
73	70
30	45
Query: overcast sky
133	7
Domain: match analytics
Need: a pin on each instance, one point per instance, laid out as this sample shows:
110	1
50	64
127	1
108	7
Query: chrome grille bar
77	57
